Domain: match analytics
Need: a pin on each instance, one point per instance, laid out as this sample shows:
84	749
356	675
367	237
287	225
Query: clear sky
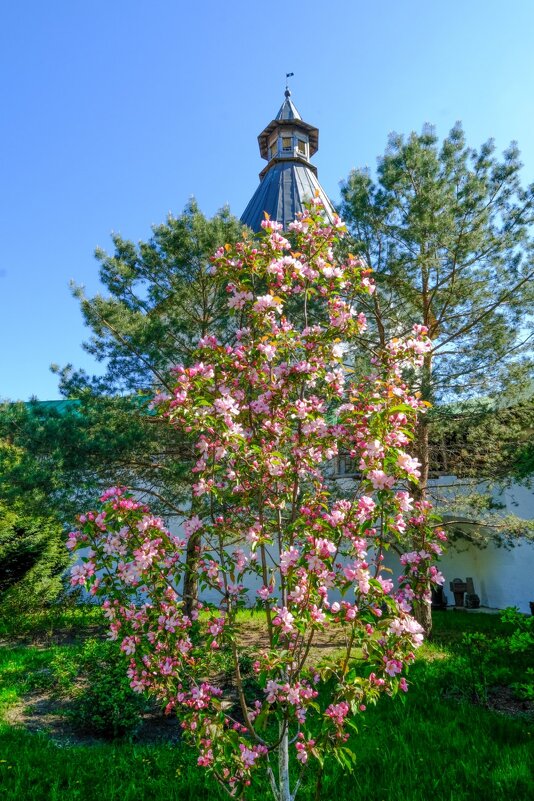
115	112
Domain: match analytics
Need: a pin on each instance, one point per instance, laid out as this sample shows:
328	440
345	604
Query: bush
33	559
104	704
521	644
484	668
484	662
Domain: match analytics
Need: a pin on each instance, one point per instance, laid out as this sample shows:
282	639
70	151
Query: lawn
438	745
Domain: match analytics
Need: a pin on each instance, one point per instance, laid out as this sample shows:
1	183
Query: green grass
21	670
453	624
432	747
49	623
36	769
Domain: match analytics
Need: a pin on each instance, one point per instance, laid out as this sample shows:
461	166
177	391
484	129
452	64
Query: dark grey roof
288	110
282	192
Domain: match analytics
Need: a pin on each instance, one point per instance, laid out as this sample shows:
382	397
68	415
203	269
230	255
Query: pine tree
446	230
159	299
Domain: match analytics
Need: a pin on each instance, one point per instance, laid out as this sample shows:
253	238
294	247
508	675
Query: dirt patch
43	712
43	639
254	635
434	656
504	700
499	699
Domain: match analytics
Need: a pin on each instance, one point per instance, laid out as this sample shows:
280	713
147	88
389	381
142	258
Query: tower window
301	146
286	143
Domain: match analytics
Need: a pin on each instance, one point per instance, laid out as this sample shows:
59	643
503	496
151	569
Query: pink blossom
380	480
250	755
324	548
338	712
368	284
284	619
269	351
435	576
206	758
404	500
213	570
79	574
238	299
226	406
410	558
409	465
317	615
366	507
266	302
385	583
112	492
271	690
72	541
393	666
302	754
192	525
271	225
288	559
128	645
298	225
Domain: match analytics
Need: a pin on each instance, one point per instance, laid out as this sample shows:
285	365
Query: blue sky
115	112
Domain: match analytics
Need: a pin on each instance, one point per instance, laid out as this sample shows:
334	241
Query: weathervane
288	75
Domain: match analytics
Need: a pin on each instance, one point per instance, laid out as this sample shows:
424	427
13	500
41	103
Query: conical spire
289	178
288	110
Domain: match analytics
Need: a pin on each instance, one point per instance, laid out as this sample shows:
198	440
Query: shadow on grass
429	746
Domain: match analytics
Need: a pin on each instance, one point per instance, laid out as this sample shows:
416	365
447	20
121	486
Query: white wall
502	576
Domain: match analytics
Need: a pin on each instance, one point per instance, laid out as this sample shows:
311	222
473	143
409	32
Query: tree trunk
284	793
422	610
191	573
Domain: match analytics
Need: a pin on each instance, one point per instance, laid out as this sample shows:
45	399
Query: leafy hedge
33	559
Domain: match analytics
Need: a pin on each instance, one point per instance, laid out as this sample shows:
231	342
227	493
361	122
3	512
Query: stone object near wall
439	599
464	593
458	589
472	601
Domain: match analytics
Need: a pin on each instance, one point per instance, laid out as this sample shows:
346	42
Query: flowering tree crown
265	415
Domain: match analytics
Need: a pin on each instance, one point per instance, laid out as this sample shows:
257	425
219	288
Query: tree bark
422	609
191	573
422	612
284	792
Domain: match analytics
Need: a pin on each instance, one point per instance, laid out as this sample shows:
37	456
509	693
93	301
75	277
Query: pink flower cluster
337	713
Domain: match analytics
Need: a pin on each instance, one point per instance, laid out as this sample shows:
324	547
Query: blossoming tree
266	414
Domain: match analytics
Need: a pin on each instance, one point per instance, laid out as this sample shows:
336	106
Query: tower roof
287	143
289	117
288	110
282	193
